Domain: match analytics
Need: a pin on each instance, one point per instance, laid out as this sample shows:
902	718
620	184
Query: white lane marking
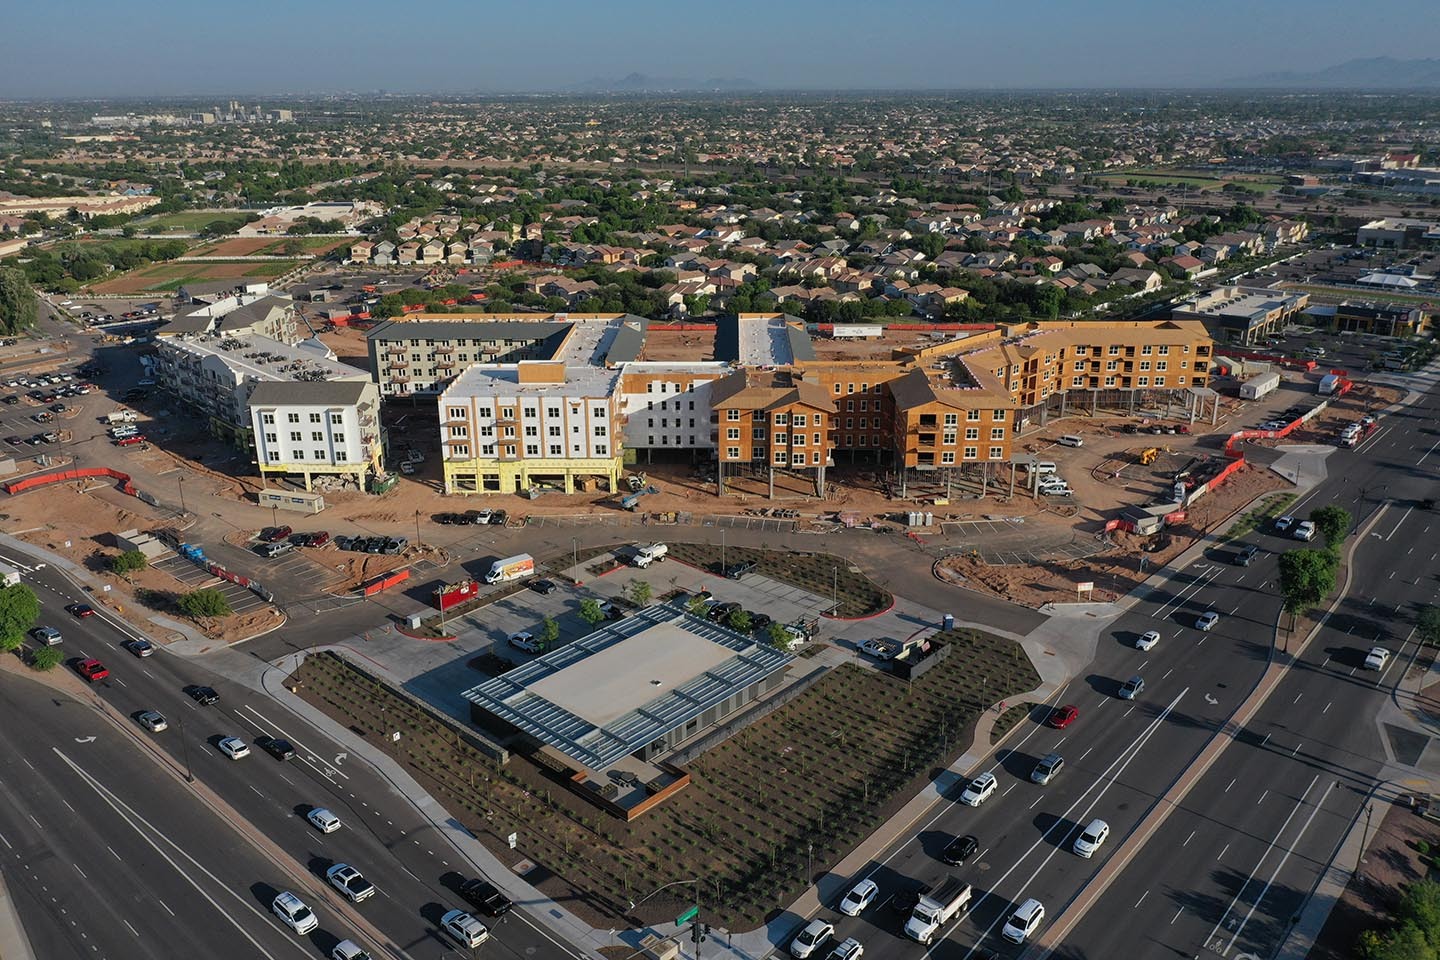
294	740
1327	706
1262	798
1188	839
165	905
1177	915
1398	522
1230	784
78	870
1273	840
131	817
1142	899
1190	590
1427	453
132	929
7	843
1222	851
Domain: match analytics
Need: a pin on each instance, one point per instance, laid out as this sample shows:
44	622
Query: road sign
512	839
688	915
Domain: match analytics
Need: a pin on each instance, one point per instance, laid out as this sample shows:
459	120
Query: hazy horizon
161	48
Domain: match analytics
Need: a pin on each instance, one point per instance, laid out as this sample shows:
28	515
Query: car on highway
233	747
1047	768
860	896
46	635
203	695
294	914
81	610
1062	717
1304	530
1132	688
960	849
542	587
92	669
1377	658
1247	555
464	929
905	899
152	720
276	747
486	896
323	820
847	949
348	950
816	933
977	791
1092	838
1024	921
141	648
1206	621
1283	524
350	882
1147	640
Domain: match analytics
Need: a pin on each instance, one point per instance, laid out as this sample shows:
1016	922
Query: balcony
444	349
929	420
444	364
394	351
927	439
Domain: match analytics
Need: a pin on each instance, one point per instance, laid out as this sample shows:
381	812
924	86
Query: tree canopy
19	609
1306	578
18	304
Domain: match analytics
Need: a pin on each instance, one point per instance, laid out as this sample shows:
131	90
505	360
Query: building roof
767	390
330	393
603	697
503	380
762	340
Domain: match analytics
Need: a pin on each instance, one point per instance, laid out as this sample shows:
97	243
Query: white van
1071	440
1043	467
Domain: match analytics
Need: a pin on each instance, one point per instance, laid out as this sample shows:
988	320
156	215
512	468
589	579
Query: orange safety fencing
62	476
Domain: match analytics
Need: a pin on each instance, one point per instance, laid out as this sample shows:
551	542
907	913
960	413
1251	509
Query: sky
92	49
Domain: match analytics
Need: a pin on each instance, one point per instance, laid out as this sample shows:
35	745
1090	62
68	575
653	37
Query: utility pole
417	528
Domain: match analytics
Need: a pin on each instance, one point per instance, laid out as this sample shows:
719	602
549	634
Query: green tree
696	606
781	637
549	631
1306	578
641	592
18	306
19	609
1427	624
740	621
46	658
1333	523
590	612
128	562
205	602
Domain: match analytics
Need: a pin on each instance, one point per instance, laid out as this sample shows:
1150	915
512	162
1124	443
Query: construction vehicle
644	556
937	908
637	482
631	501
1149	455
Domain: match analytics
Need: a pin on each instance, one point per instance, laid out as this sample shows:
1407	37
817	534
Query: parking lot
241	599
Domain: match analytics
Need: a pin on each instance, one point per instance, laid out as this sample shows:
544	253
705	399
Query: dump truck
646	555
511	568
937	908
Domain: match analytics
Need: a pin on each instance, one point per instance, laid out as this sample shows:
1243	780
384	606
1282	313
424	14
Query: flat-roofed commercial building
1243	315
507	427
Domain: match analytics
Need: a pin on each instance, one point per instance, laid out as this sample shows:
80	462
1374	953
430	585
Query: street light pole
834	590
722	551
575	559
182	494
185	748
417	528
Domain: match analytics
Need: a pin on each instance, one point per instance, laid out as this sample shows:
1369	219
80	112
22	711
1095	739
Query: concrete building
505	428
1396	233
1243	315
320	428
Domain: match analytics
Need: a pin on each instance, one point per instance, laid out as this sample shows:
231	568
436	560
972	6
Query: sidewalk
14	945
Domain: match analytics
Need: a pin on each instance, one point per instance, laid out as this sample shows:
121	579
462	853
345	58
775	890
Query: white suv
294	914
464	929
1024	921
977	791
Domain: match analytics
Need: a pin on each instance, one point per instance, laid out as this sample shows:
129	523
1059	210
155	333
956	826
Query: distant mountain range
640	83
1375	73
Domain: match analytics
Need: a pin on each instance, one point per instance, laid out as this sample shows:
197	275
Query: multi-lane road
101	846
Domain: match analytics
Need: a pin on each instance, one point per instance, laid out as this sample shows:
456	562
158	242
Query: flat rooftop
602	698
503	380
266	359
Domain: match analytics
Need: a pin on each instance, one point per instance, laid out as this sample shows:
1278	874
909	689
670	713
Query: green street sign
688	915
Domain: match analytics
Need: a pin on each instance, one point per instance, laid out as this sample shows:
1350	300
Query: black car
721	611
205	695
759	621
497	518
277	748
375	545
959	850
449	519
543	587
15	441
344	543
12	399
737	570
483	894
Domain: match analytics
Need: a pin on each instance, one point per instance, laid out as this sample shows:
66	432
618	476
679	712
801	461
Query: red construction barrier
452	594
1229	469
45	479
384	581
670	327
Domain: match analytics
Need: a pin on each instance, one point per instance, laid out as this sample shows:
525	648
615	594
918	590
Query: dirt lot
349	346
81	527
268	246
171	276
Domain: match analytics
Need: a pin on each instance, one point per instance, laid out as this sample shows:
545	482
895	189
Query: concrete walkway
14	945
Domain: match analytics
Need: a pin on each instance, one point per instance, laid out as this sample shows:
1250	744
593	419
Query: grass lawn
272	269
184	221
1269	508
858	595
827	768
174	275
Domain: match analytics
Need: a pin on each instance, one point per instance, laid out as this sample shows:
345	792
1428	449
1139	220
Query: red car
275	534
130	441
92	670
1062	717
81	610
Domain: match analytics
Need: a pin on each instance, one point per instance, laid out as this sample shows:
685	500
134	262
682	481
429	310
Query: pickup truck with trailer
937	908
511	568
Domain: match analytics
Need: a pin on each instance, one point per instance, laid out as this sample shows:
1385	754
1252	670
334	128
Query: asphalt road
414	867
1301	784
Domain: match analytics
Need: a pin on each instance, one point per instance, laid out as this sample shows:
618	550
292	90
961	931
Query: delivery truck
937	908
511	568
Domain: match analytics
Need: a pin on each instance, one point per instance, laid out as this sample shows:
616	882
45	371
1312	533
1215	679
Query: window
553	430
298	453
486	430
293	417
336	419
781	438
1144	381
998	416
972	414
650	387
1113	350
1077	381
837	389
487	450
757	433
781	419
507	413
799	420
598	413
314	418
531	411
997	453
294	436
1162	364
799	440
531	430
952	419
948	456
1180	381
948	438
1078	365
781	456
1109	381
1144	364
267	418
555	449
601	430
484	411
733	433
997	433
732	453
819	420
849	423
532	449
971	453
274	456
732	414
815	439
319	454
552	412
509	433
850	406
972	433
600	449
1159	381
1164	350
815	457
459	450
1146	350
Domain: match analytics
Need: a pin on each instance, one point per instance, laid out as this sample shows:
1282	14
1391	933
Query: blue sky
86	48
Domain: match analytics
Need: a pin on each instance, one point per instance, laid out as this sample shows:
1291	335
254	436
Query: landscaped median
792	792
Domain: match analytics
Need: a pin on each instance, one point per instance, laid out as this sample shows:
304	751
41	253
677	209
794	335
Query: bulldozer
1149	455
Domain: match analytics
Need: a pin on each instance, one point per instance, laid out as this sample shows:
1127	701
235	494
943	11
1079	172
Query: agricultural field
167	277
826	768
1193	180
184	221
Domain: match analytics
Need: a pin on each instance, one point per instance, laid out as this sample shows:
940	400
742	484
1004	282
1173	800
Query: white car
234	748
1305	530
348	950
1147	640
1377	658
1283	524
860	896
524	641
153	721
464	929
350	882
323	820
1091	838
977	791
1024	921
294	914
1206	621
847	949
811	939
881	648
